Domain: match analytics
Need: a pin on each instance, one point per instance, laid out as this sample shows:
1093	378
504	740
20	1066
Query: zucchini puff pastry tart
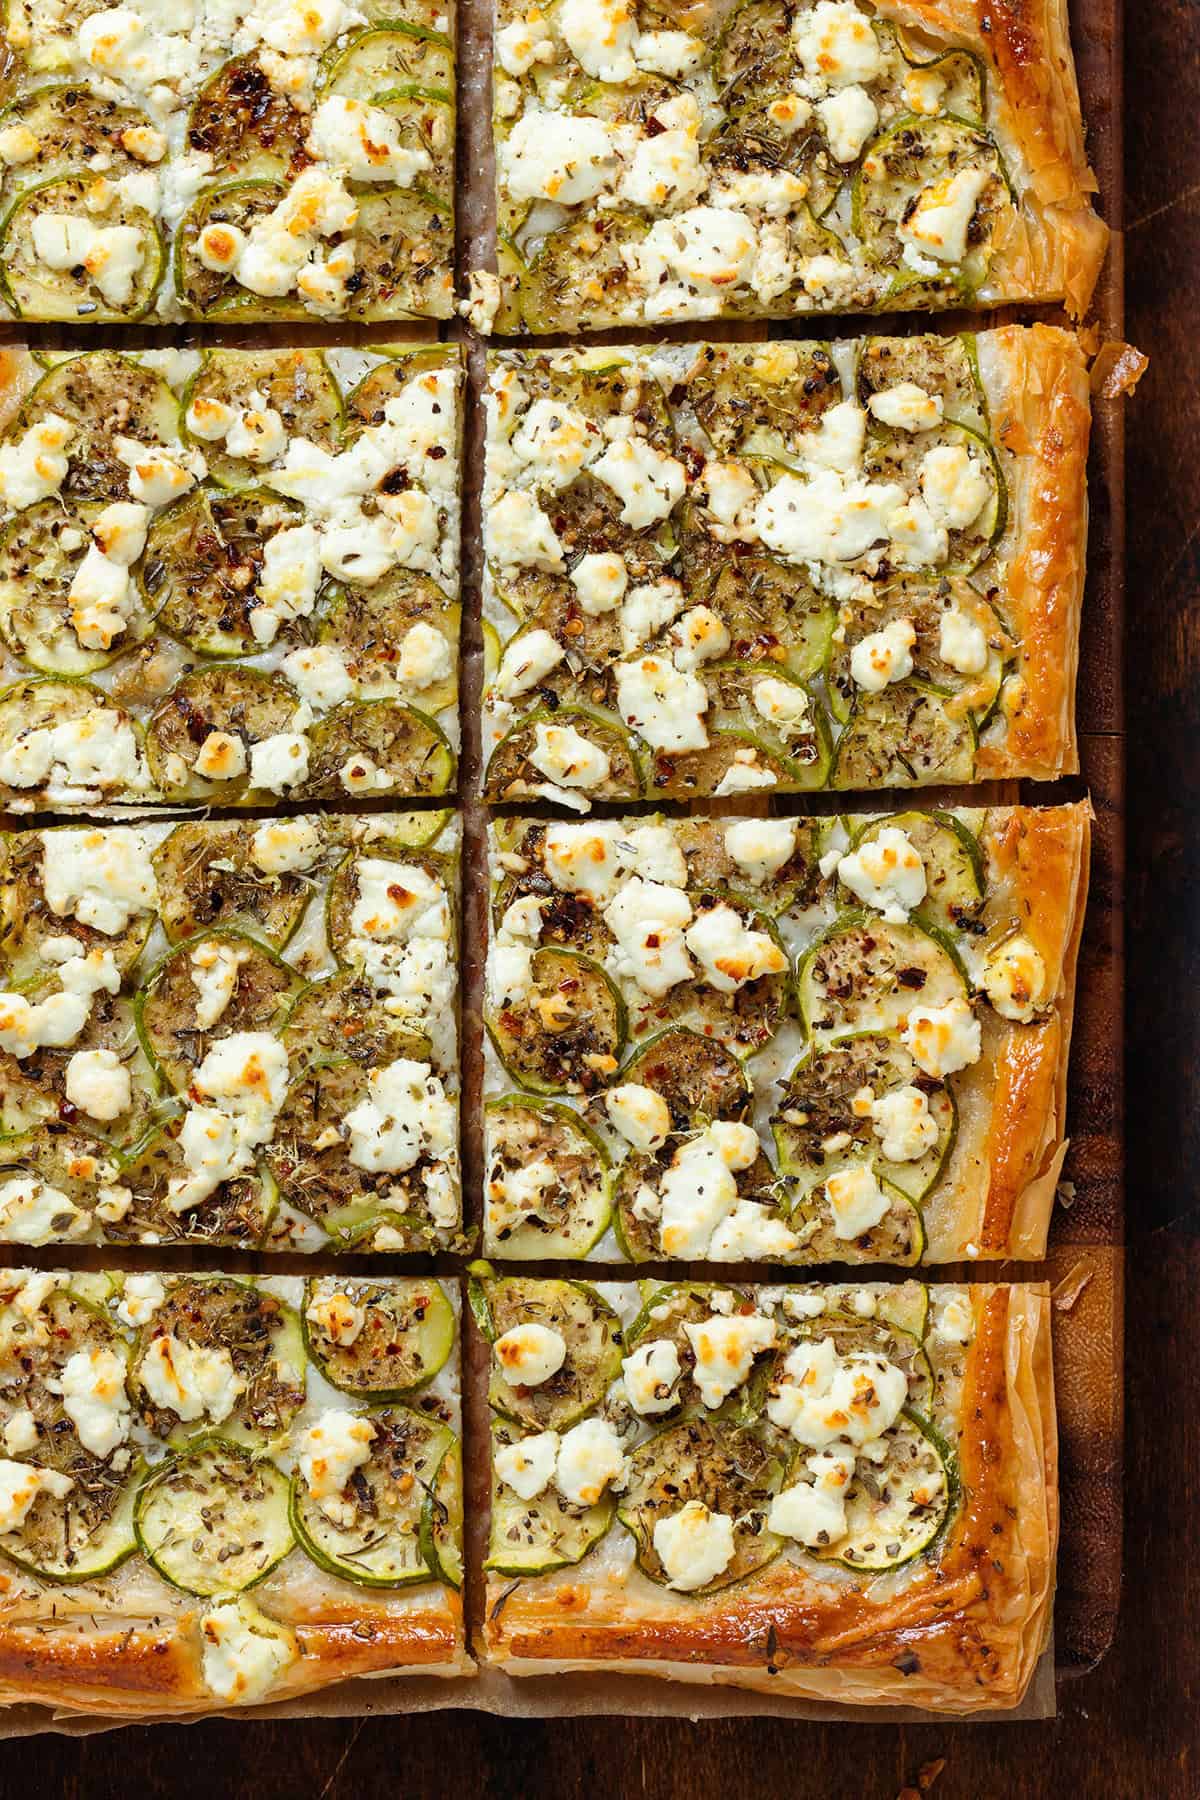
231	1033
228	575
774	158
205	160
794	1040
846	1494
219	1490
723	569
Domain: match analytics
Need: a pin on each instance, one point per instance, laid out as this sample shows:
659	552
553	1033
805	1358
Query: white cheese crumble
530	1354
589	1458
94	1398
694	1546
724	1349
650	1374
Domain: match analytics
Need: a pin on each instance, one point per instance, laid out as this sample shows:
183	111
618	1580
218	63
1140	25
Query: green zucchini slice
665	1313
391	1491
573	278
532	1537
71	125
263	1337
239	1212
816	1110
82	1537
404	254
366	404
747	1019
36	572
726	1468
245	702
208	880
203	563
572	1213
215	1519
779	623
566	1034
896	456
408	746
170	999
297	384
405	1337
441	1534
711	868
911	156
393	55
763	392
699	1079
865	974
913	740
955	873
589	1328
511	775
897	1510
342	1016
41	703
26	919
207	293
246	126
878	1336
35	291
93	392
945	366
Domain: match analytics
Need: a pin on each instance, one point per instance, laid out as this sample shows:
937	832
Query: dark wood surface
1131	1728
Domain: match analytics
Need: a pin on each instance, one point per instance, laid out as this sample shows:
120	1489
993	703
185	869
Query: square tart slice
228	576
779	158
798	1040
234	1033
206	161
723	569
838	1493
220	1490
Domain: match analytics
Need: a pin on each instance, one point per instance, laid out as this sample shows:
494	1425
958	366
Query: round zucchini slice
962	72
245	125
244	702
912	740
897	1510
441	1534
778	622
587	1325
239	1212
567	1032
263	1338
88	1531
896	456
36	291
572	1210
405	744
865	974
102	394
297	384
699	1079
817	1109
389	1494
574	278
407	1332
404	250
880	1336
726	1468
82	1537
746	1019
511	775
532	1537
27	920
638	1235
915	157
764	392
753	54
41	550
366	404
203	563
214	1520
946	366
171	1000
955	873
208	879
666	1311
208	292
343	1016
424	117
38	705
712	869
71	125
344	888
396	55
368	625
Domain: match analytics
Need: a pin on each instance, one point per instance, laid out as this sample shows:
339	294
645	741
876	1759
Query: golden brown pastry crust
961	1635
1036	383
57	1650
1055	245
